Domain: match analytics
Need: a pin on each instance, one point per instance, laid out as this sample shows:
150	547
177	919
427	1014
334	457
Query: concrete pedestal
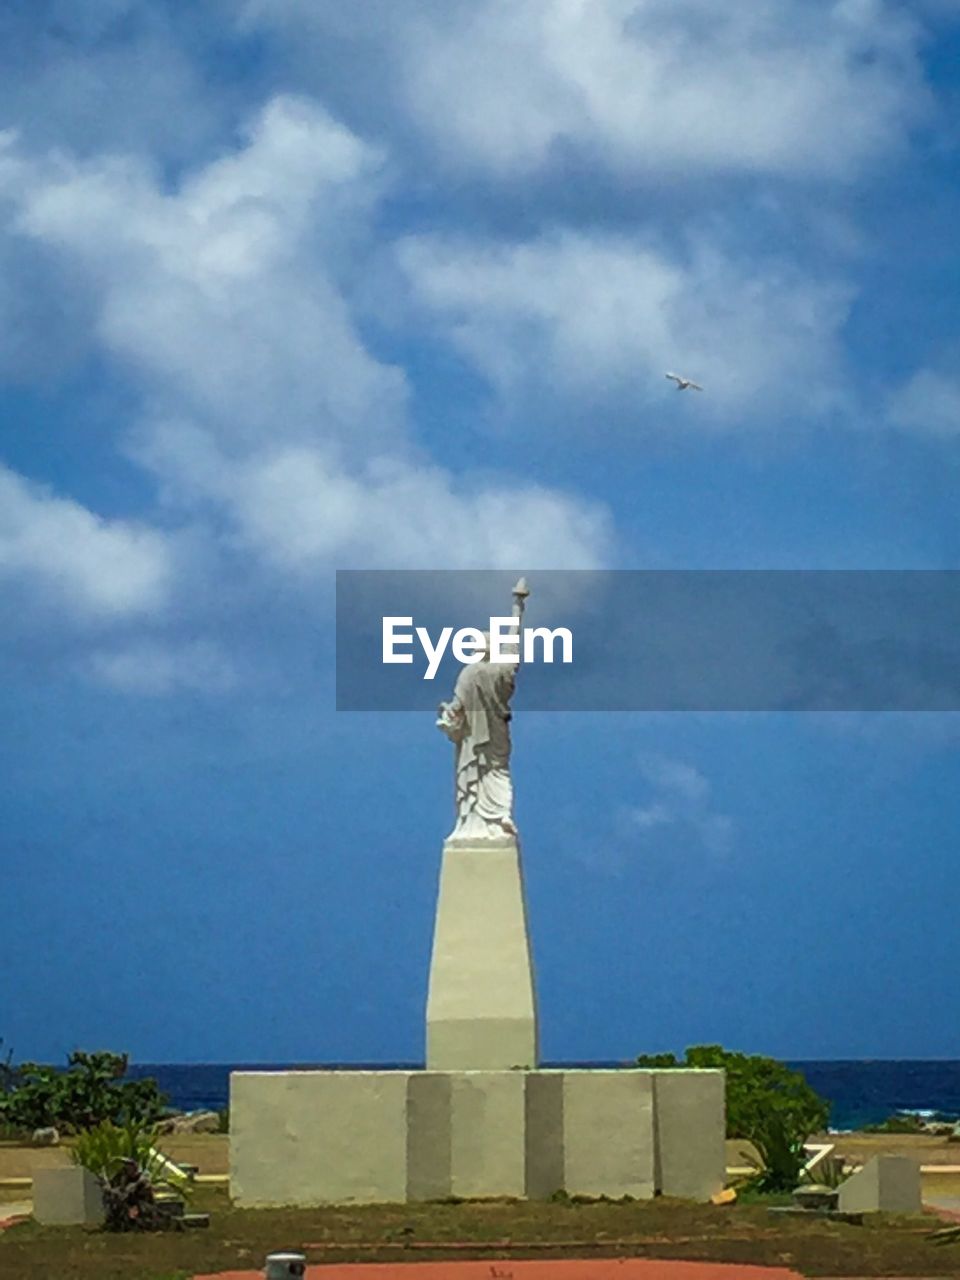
888	1184
481	1006
356	1137
68	1196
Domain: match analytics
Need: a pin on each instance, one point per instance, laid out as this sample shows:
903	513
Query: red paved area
548	1269
948	1214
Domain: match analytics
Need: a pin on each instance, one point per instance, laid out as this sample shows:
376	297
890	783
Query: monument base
481	1006
363	1137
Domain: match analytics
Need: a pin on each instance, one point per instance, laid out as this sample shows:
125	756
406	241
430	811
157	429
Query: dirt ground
209	1151
928	1150
859	1147
495	1231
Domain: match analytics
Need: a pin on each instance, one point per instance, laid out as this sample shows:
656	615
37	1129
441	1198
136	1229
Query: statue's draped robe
484	791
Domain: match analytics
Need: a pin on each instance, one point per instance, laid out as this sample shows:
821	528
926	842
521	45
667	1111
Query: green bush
102	1148
897	1124
937	1124
8	1080
131	1171
768	1105
91	1090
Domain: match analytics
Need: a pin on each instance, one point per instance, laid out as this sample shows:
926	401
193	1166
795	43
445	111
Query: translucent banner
657	640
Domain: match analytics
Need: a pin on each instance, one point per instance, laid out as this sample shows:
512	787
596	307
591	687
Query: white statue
477	721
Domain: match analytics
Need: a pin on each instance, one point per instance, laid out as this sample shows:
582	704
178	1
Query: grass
241	1238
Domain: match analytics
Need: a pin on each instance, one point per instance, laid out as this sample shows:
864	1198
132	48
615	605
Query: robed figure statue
477	721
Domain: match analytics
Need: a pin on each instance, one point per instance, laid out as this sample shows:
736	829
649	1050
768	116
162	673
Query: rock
46	1137
198	1122
813	1196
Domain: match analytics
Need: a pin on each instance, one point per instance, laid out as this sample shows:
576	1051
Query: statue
477	721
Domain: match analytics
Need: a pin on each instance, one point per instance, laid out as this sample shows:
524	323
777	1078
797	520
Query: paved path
947	1207
14	1211
549	1269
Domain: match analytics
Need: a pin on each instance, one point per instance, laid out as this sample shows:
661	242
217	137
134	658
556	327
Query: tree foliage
768	1105
92	1089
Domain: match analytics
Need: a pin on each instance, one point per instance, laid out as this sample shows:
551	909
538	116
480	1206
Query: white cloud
227	300
679	809
156	669
303	512
300	511
218	295
98	569
642	87
601	318
929	404
675	777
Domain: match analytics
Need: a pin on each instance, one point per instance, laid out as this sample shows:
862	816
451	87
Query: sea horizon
861	1091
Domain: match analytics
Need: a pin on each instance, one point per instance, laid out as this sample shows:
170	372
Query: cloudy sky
288	286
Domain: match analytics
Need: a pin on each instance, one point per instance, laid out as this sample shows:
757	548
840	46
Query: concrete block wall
601	1123
319	1137
689	1132
316	1137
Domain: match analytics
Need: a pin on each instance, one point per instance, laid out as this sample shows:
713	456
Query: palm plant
131	1171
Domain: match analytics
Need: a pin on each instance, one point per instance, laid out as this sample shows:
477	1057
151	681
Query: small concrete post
885	1184
67	1196
281	1266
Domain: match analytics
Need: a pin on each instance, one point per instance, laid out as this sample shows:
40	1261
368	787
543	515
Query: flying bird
683	383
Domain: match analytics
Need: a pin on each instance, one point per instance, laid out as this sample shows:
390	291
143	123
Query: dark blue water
860	1092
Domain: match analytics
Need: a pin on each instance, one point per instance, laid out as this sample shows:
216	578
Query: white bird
683	383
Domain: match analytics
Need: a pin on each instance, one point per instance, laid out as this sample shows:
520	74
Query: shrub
897	1124
937	1124
8	1073
102	1148
780	1147
34	1100
91	1090
131	1171
8	1081
768	1105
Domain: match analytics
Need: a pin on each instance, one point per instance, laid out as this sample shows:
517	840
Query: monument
483	1119
481	1006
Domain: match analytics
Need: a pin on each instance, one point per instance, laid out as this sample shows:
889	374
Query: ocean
860	1092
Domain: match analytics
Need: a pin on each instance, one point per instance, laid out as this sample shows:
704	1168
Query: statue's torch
520	593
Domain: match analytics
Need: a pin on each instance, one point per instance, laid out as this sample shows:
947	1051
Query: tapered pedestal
481	1006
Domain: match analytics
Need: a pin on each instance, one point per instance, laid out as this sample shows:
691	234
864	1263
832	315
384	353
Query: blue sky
293	286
